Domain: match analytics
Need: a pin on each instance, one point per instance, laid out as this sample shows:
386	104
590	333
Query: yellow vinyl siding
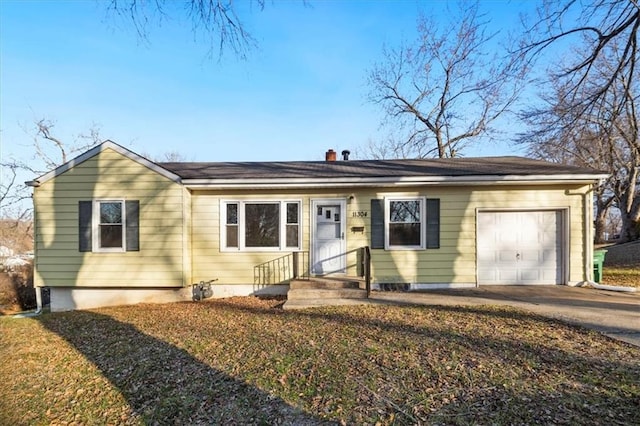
180	229
237	267
453	262
162	233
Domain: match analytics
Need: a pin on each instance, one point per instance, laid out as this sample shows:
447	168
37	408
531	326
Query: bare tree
599	84
218	20
599	26
7	185
446	89
48	152
604	136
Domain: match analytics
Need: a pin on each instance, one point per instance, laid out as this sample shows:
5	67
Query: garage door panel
528	255
530	275
509	275
519	247
506	255
550	256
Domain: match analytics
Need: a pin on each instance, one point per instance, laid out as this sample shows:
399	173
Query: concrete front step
314	303
322	293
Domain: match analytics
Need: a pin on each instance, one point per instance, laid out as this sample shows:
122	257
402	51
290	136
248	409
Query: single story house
112	227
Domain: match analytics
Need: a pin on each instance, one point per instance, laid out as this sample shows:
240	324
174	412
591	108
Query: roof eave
97	150
390	181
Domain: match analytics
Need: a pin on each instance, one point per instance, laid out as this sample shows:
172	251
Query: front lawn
245	361
622	265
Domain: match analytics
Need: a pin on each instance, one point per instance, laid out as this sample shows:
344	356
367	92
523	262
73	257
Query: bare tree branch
218	20
605	137
597	25
446	89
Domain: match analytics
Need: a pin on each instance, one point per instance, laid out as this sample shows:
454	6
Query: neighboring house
114	228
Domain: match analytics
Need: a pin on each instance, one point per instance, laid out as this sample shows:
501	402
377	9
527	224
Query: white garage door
520	247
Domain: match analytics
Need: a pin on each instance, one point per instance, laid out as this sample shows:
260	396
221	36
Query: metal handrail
283	269
365	267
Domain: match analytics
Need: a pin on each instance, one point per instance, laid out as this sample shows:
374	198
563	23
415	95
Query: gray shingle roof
480	166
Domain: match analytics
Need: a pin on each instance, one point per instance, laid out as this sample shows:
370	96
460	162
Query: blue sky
302	91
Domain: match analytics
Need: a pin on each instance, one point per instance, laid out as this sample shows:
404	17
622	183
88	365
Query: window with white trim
404	223
109	225
260	225
232	225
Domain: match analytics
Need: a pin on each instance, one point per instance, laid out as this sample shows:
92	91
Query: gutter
38	301
35	184
611	287
588	250
38	310
255	183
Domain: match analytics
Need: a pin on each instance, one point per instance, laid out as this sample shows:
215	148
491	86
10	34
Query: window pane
404	211
232	214
232	236
292	235
404	234
262	225
110	212
110	236
292	212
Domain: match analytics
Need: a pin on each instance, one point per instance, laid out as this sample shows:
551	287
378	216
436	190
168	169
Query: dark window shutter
132	209
377	223
84	225
433	223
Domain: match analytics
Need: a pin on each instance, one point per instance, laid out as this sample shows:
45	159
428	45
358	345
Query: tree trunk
600	224
630	228
630	215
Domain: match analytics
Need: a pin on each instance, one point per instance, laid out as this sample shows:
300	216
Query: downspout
35	184
588	238
38	301
588	247
35	262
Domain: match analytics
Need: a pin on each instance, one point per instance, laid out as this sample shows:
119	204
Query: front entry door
329	245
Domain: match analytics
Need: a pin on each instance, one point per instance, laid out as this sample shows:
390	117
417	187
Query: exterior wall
180	234
453	264
455	261
163	233
237	267
70	298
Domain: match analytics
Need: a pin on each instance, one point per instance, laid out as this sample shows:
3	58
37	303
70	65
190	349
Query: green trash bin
598	261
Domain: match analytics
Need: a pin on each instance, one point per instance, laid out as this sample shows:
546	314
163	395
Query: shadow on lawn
587	383
164	384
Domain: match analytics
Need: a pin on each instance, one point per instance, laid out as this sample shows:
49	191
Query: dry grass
622	264
16	290
245	361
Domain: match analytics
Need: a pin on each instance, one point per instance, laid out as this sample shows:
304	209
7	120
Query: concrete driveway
612	313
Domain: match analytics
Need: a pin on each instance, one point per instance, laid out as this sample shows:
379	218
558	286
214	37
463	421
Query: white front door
328	245
520	247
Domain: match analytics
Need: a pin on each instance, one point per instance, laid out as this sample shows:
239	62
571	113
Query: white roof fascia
390	181
97	150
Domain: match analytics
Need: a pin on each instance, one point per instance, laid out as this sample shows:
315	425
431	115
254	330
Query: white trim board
97	150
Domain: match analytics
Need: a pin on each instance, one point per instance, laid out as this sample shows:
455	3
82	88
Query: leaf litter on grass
245	361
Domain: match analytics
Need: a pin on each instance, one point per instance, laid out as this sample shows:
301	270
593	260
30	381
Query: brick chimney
330	155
